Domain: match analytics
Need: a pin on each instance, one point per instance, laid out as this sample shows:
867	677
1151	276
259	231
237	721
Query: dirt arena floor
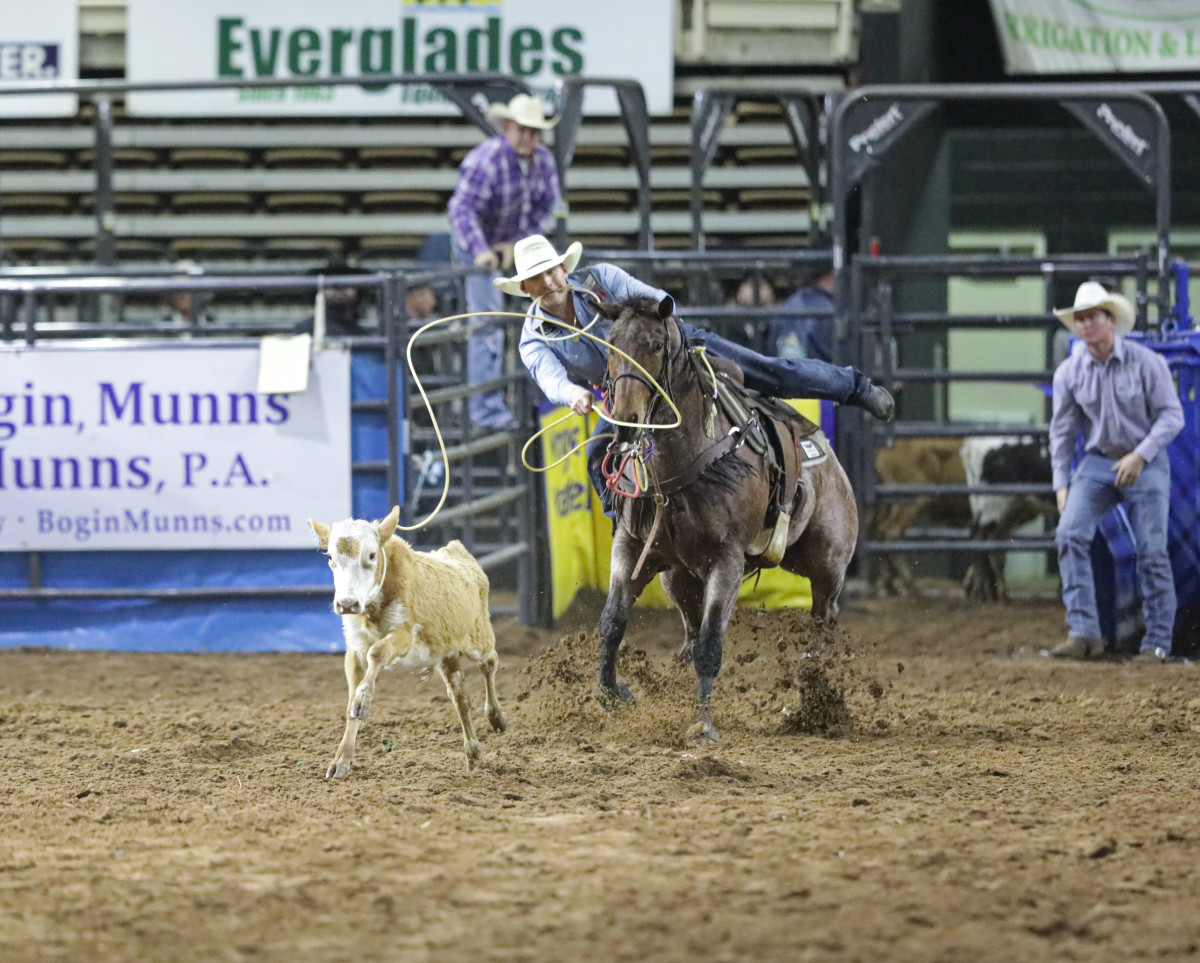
929	789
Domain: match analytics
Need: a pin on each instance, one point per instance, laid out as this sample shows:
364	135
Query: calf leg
379	656
457	689
344	757
496	716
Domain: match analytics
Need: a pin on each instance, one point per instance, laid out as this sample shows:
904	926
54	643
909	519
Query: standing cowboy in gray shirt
1121	397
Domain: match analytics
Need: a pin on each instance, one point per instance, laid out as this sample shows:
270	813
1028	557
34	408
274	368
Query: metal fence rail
495	518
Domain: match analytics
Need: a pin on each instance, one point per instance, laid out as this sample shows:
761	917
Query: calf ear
666	307
387	527
322	534
608	310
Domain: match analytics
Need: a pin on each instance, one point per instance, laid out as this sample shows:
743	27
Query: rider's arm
547	370
621	284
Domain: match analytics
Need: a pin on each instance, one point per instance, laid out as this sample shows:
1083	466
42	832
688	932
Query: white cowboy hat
524	110
531	256
1093	294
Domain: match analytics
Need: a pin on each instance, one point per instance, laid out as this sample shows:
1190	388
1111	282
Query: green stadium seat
32	159
601	155
124	158
127	202
304	247
35	203
40	249
212	202
611	200
207	248
303	157
305	202
759	198
210	157
677	199
407	156
391	246
402	202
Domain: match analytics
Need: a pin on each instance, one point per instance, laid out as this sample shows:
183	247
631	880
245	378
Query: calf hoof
498	720
614	697
362	704
474	753
337	769
684	655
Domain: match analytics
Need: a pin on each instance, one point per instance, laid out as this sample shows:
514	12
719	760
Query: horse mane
640	306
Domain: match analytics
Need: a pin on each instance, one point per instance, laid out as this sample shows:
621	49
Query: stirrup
772	546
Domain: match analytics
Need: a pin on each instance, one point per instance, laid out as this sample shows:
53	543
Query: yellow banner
581	534
569	506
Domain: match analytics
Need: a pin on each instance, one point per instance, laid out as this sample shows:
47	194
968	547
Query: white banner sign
537	41
1085	36
39	42
155	447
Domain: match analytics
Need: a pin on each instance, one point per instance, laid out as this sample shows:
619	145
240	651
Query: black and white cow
982	460
1003	460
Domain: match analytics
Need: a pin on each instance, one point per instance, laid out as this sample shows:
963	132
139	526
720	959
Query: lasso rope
573	332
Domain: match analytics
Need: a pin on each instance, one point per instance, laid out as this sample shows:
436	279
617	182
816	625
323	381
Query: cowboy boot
876	401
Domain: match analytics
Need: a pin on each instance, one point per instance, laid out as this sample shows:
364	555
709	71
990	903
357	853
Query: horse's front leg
687	592
623	591
720	596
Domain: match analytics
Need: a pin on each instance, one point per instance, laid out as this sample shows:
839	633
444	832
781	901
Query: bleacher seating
371	189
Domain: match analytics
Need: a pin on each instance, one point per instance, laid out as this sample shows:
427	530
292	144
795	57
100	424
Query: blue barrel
1118	596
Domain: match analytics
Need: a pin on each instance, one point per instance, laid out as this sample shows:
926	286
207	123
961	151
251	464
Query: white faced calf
401	606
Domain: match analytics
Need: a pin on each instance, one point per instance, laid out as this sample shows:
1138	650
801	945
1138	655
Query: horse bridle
664	372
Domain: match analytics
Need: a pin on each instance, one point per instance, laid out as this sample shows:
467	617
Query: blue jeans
485	347
595	451
1093	494
784	377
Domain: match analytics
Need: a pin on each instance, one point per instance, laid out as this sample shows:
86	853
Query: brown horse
699	503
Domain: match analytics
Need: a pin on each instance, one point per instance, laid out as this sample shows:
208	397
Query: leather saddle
788	443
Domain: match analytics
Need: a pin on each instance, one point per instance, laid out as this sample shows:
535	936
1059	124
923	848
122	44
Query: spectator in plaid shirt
507	189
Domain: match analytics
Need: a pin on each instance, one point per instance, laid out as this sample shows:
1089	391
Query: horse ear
608	310
666	307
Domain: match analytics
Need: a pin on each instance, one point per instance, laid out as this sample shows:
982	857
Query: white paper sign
537	41
283	362
1116	36
39	42
117	446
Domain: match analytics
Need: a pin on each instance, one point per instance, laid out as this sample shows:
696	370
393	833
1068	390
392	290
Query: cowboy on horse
566	367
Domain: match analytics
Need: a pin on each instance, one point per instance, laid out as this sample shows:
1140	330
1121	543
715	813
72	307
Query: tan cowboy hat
524	110
1093	294
531	256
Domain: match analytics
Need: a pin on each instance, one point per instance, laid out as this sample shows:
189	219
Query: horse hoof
703	732
615	697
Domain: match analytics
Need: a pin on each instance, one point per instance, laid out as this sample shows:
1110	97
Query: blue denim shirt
558	361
